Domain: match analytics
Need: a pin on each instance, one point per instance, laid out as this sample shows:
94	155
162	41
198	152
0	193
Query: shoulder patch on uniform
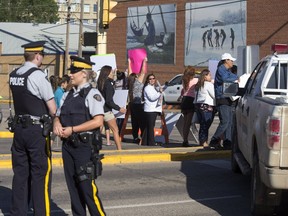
97	97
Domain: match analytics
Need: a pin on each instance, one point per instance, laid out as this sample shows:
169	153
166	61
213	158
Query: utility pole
101	33
81	29
67	37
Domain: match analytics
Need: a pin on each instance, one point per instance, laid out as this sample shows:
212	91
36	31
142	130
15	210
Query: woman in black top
105	86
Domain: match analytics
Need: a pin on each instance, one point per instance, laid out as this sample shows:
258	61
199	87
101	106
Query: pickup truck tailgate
284	139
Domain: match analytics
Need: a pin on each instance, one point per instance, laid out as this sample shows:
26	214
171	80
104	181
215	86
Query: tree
38	11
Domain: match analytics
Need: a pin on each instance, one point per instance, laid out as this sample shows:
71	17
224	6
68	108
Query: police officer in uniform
78	121
31	158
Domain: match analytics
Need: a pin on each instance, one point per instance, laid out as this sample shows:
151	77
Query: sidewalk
157	154
131	153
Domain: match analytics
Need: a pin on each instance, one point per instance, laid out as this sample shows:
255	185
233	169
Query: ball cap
227	56
36	47
78	64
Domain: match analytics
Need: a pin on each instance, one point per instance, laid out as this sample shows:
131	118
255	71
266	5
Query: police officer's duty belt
27	120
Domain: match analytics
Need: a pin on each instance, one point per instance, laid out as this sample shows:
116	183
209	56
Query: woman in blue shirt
62	85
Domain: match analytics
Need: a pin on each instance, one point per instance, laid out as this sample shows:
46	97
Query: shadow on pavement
5	204
226	193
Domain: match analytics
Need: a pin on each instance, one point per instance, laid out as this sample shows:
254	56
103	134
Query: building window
86	8
94	21
73	8
85	21
95	8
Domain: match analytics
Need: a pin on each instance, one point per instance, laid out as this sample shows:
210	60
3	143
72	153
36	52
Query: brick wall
267	23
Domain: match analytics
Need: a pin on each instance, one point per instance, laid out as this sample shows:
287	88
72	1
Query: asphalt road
188	188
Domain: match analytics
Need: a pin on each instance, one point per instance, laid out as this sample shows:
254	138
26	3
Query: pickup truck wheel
234	165
259	192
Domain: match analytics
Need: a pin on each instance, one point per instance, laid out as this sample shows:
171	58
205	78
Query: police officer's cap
78	64
36	47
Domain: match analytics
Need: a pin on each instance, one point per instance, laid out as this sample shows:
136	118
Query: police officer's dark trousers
85	191
31	161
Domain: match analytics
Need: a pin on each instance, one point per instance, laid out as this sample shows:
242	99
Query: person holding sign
105	86
135	85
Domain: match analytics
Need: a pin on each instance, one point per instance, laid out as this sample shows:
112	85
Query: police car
172	90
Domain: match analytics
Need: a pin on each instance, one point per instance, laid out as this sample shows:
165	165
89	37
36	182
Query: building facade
266	23
89	11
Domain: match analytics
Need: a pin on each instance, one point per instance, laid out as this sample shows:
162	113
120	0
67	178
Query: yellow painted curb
5	164
142	158
6	134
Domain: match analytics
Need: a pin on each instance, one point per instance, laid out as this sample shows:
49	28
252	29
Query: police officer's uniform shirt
94	100
37	82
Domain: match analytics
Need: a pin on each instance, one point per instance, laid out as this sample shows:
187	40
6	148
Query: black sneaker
185	144
215	144
227	144
136	140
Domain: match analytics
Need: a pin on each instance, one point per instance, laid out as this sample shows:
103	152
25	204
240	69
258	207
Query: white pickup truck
260	135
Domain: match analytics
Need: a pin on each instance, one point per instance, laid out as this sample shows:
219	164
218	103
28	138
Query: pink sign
136	58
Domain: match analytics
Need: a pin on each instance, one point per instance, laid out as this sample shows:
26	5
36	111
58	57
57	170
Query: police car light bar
283	48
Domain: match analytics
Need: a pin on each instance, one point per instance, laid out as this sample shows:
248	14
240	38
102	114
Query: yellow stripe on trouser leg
96	199
47	177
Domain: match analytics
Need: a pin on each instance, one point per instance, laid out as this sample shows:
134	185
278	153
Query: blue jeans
225	125
205	120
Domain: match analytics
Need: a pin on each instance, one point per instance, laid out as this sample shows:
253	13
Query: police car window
176	81
278	79
261	67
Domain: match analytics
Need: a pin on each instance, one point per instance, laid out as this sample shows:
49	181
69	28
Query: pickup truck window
278	79
256	75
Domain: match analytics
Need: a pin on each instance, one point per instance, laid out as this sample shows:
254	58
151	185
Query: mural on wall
153	27
213	28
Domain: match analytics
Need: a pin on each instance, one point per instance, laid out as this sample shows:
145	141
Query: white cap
227	56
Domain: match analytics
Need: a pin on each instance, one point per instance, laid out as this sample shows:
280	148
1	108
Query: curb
138	158
6	134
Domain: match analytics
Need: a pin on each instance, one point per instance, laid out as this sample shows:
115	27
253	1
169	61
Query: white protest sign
102	60
120	98
213	67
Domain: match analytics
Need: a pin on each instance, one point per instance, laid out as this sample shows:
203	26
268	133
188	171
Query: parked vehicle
260	141
172	90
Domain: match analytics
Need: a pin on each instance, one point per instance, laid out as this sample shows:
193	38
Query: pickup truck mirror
230	89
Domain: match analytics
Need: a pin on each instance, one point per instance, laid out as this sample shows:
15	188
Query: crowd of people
77	112
201	97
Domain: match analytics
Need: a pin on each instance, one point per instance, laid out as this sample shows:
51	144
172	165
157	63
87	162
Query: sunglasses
152	78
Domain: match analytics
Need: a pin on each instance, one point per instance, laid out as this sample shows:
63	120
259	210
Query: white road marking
172	202
67	211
